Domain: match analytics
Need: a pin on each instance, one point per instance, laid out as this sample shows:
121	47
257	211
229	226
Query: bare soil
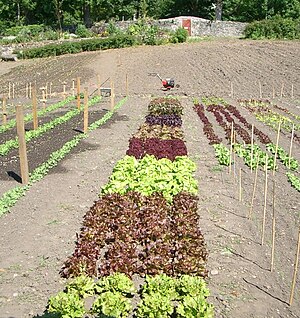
39	232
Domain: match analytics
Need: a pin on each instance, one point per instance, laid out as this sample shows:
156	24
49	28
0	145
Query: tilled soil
39	233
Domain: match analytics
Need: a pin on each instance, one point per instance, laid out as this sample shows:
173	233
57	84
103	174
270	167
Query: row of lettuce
249	142
140	251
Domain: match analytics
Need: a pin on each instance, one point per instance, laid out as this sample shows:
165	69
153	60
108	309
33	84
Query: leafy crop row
283	156
150	175
159	131
168	120
29	135
140	235
263	112
113	296
207	126
12	123
159	148
165	106
294	180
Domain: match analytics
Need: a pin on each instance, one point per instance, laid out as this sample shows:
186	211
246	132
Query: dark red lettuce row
136	234
160	148
168	120
207	126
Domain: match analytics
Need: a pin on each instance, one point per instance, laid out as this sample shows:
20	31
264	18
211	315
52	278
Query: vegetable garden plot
271	115
252	153
145	223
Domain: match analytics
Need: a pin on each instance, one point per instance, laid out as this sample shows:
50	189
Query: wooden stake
295	270
50	89
126	84
86	111
292	93
73	87
265	202
34	109
64	90
254	188
4	112
231	89
233	157
26	91
240	185
9	90
78	92
273	230
260	91
30	90
252	137
291	145
22	145
112	96
281	91
13	90
231	141
273	92
46	90
276	147
99	84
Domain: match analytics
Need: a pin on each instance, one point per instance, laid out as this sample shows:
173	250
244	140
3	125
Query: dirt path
39	233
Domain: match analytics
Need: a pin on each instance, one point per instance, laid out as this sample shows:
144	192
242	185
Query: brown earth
39	233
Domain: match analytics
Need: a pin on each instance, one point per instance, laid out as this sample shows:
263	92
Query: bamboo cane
254	188
295	270
276	147
252	137
240	185
231	141
291	145
265	202
273	230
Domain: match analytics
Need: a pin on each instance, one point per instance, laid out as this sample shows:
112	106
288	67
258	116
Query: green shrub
83	32
76	47
179	36
274	28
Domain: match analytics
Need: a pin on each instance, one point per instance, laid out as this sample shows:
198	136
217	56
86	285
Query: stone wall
199	26
203	27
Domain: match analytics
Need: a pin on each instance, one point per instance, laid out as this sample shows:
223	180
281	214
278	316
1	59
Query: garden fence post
78	92
13	90
112	95
4	112
73	87
99	85
30	90
126	84
9	90
86	111
281	91
22	144
64	90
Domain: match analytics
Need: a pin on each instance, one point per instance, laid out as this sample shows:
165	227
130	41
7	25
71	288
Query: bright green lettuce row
150	175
